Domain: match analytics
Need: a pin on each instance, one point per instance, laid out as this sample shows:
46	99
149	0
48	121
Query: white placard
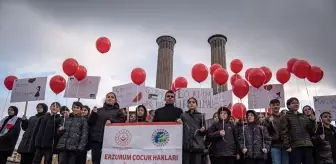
30	89
155	98
203	97
325	104
260	98
130	94
149	143
85	89
222	99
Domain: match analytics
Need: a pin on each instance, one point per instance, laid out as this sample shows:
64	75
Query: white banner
30	89
142	143
154	98
260	98
130	94
85	89
325	104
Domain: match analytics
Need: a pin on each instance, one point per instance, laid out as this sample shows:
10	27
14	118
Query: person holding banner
141	114
47	137
193	134
222	135
74	135
30	128
9	133
109	113
168	113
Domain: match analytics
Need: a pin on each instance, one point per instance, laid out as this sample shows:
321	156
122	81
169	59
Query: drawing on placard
138	97
37	94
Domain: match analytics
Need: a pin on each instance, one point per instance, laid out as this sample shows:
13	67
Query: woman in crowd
193	134
81	159
9	133
30	126
308	110
47	137
254	141
223	138
141	114
73	136
109	113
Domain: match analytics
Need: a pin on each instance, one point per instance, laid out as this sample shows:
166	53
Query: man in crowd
168	113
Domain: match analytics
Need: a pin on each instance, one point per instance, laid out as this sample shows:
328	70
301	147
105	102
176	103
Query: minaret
164	72
218	55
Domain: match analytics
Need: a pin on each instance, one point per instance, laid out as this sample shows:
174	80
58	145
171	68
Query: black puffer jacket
8	141
256	138
322	145
193	140
31	126
296	130
74	137
223	146
47	136
274	130
98	119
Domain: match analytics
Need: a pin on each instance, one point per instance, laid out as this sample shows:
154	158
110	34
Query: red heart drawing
31	80
268	87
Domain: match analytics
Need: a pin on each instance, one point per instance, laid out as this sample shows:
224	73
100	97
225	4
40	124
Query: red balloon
315	74
247	73
240	88
283	75
9	82
220	76
213	68
268	74
173	88
269	111
70	66
257	77
234	78
57	84
290	64
138	76
103	45
236	65
181	82
199	72
238	110
301	69
81	73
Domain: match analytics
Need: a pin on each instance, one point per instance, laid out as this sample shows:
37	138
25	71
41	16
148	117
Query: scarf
9	125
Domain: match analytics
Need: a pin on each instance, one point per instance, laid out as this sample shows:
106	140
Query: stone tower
164	72
218	55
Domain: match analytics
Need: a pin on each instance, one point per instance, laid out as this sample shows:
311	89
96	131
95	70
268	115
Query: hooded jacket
226	145
98	119
254	138
322	145
31	126
193	140
8	140
74	137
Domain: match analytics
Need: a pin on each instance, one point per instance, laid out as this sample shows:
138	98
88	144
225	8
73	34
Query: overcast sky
36	36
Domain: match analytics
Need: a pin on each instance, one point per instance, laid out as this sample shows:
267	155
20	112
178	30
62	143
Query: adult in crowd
9	133
47	137
222	135
193	134
73	136
30	128
168	113
296	129
325	140
109	113
278	154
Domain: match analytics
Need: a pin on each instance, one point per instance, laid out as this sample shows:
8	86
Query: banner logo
123	137
160	137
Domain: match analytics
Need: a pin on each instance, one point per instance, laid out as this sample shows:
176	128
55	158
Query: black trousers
224	160
191	158
4	155
301	155
40	153
96	151
67	157
254	161
26	158
212	159
81	158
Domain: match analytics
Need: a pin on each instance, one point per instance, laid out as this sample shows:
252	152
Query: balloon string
66	90
201	103
137	102
307	92
3	109
241	101
297	84
77	89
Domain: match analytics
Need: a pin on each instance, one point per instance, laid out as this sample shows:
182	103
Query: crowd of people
280	137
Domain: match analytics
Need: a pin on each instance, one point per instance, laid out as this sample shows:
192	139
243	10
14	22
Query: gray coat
193	140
